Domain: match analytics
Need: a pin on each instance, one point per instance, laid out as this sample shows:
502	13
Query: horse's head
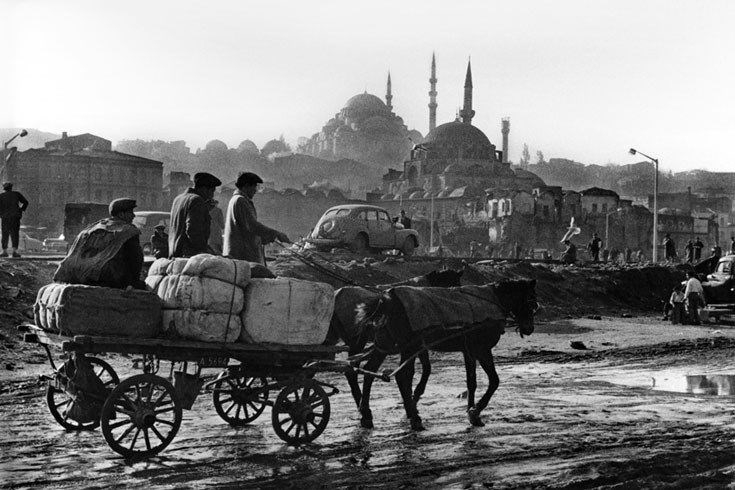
446	278
518	297
368	315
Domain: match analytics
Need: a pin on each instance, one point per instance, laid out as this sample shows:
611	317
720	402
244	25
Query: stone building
81	168
366	130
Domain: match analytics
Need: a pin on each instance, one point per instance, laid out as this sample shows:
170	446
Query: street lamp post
633	151
5	156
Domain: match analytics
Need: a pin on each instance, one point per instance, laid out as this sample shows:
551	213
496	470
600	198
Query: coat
12	204
244	234
189	225
106	254
216	228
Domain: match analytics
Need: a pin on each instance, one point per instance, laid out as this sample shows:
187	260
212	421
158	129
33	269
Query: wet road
567	423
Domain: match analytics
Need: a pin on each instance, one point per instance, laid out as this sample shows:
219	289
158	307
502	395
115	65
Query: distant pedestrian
489	249
676	306
689	251
628	254
698	246
694	297
405	220
605	254
216	227
732	245
159	242
473	248
570	254
12	206
640	257
518	250
594	247
669	248
716	252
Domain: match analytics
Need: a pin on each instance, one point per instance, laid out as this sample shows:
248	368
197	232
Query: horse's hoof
474	417
366	423
416	424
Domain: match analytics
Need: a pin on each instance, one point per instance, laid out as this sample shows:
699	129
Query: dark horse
344	325
384	321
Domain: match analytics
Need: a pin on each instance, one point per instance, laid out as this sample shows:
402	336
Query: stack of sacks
287	311
202	296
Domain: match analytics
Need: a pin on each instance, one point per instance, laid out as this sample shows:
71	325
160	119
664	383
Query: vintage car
720	285
361	228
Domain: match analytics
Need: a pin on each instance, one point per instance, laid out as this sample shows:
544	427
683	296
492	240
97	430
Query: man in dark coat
570	254
698	246
190	218
12	205
689	251
159	242
405	220
669	248
108	253
244	234
594	247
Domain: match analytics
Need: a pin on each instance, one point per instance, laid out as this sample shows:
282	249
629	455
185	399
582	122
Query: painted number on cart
214	362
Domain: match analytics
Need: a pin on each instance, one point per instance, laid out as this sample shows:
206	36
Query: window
594	208
383	216
724	267
372	215
604	207
362	215
342	212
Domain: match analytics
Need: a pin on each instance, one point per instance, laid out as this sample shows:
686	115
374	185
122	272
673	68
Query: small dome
445	193
416	195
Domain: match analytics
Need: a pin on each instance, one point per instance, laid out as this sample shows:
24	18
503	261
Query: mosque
366	130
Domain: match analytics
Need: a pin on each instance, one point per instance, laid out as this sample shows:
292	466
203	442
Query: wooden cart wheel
240	399
141	416
60	403
301	412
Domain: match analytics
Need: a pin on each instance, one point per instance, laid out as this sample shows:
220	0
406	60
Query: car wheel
359	244
408	247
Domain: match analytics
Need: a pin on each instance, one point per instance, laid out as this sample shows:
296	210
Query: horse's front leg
471	376
374	361
352	380
404	378
488	365
425	372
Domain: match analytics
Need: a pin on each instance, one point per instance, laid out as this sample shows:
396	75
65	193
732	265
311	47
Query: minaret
505	129
467	113
389	95
432	95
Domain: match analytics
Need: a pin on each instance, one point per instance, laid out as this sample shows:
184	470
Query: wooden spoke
239	399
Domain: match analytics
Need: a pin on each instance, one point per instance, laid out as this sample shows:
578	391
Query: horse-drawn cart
141	414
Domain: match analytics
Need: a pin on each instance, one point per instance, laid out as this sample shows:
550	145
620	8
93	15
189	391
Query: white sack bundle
200	293
287	311
159	267
221	268
153	281
205	326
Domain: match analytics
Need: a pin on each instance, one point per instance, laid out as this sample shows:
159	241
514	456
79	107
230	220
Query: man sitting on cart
108	253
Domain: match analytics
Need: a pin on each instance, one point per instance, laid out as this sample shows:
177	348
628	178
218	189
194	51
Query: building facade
82	168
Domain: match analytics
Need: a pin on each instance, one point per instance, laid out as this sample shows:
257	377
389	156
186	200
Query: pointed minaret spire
432	94
389	94
467	113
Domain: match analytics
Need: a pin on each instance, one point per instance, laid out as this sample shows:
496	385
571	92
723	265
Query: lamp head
632	151
23	133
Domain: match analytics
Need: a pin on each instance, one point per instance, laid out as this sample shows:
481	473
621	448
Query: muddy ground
562	417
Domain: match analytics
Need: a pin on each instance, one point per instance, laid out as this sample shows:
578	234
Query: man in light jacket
244	234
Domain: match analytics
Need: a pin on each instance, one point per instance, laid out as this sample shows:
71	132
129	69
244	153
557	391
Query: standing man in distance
405	220
190	218
12	205
244	234
698	246
594	247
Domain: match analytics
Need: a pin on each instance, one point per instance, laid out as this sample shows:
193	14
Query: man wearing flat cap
108	253
12	205
159	242
190	218
244	234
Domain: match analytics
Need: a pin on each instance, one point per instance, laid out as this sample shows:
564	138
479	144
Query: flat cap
159	227
248	178
204	179
122	204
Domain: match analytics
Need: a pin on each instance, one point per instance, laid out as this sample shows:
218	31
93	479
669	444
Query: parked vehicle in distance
56	244
27	243
720	285
361	228
146	221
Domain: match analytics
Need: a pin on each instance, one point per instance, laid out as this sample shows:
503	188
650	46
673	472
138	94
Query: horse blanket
428	308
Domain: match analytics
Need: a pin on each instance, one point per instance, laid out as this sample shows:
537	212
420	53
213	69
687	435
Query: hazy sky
583	79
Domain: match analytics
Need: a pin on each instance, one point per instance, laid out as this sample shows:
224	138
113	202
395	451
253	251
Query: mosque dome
458	138
366	102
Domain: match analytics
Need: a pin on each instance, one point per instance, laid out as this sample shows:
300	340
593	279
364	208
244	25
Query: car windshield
330	213
343	212
724	267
